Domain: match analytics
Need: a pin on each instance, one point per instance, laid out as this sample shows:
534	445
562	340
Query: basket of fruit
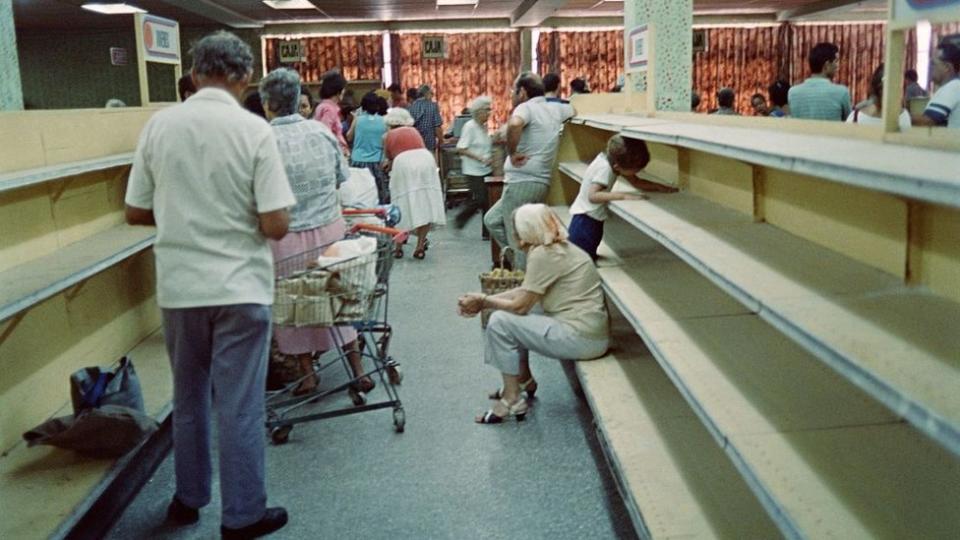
497	281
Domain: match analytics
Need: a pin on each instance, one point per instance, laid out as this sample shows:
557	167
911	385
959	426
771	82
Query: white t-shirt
867	120
599	172
475	139
944	107
207	168
539	141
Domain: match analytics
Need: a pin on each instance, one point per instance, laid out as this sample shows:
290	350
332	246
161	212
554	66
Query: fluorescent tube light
457	2
112	9
290	4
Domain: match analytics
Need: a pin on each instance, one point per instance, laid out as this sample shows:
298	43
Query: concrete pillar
669	73
11	92
526	49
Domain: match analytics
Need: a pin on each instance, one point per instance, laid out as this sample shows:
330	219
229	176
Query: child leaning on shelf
624	157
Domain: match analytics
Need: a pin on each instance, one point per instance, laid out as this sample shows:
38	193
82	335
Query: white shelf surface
897	343
825	459
676	482
916	173
30	283
29	177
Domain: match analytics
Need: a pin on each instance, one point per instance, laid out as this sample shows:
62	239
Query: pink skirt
306	340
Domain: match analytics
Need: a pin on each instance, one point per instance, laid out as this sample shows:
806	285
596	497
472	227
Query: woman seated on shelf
563	280
414	181
315	168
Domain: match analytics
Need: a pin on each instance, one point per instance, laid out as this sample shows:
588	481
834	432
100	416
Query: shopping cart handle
398	235
364	212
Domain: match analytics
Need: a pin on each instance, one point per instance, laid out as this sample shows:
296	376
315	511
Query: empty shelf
29	177
675	481
825	459
896	342
31	283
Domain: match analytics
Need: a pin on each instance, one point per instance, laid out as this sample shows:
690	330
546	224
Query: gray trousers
219	357
499	219
510	338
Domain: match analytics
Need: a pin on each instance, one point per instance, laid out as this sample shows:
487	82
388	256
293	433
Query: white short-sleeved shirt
207	168
475	139
599	172
944	106
867	120
539	140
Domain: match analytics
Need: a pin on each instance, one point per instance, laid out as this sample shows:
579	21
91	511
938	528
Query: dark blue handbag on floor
92	387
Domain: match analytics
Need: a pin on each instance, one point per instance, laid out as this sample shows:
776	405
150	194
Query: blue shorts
586	233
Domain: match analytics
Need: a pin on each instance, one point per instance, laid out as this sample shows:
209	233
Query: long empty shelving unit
76	289
802	294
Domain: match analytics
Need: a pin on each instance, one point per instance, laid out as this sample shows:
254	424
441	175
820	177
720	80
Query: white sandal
518	410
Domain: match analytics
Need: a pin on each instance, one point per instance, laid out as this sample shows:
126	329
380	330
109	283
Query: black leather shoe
181	514
273	519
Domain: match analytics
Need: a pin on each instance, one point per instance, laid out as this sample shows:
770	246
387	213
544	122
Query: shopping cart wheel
399	419
358	398
280	434
394	374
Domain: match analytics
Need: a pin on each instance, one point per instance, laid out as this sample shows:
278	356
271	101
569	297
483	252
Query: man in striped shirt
945	71
818	98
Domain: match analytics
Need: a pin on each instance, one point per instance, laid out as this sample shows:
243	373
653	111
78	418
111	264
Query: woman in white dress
414	180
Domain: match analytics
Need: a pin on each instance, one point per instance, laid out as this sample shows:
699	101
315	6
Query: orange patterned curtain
358	57
478	63
745	59
594	56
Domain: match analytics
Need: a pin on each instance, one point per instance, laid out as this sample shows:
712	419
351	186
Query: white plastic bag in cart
360	190
356	262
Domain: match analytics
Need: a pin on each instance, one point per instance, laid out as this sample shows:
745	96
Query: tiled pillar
670	54
11	93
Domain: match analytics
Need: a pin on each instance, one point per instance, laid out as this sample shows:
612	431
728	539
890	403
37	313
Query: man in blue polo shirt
818	98
945	71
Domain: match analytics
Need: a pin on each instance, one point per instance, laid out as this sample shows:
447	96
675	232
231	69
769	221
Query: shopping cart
320	288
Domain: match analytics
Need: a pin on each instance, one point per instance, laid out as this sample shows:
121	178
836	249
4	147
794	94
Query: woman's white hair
398	116
538	225
478	104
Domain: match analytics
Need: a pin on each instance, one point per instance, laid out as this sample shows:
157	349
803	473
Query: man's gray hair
280	91
479	104
424	90
222	55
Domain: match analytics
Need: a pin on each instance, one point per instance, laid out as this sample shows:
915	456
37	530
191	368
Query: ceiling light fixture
290	4
457	3
112	9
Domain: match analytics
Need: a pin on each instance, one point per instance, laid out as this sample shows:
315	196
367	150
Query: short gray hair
398	116
280	91
222	55
537	225
479	104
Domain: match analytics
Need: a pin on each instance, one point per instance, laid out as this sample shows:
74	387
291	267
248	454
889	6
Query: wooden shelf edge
39	295
30	177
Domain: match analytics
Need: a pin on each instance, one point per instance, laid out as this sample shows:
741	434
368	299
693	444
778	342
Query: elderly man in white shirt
533	137
208	174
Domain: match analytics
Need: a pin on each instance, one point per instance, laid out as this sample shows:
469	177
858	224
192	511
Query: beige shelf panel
861	322
783	417
42	486
916	173
28	284
30	177
675	481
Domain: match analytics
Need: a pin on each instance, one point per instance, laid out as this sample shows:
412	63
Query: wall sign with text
291	51
434	47
161	40
638	47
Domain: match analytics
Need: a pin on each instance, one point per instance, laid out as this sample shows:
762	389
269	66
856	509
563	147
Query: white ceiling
253	13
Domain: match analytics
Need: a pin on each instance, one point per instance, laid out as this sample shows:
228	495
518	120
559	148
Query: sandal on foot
398	253
419	253
308	385
364	384
518	410
529	386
